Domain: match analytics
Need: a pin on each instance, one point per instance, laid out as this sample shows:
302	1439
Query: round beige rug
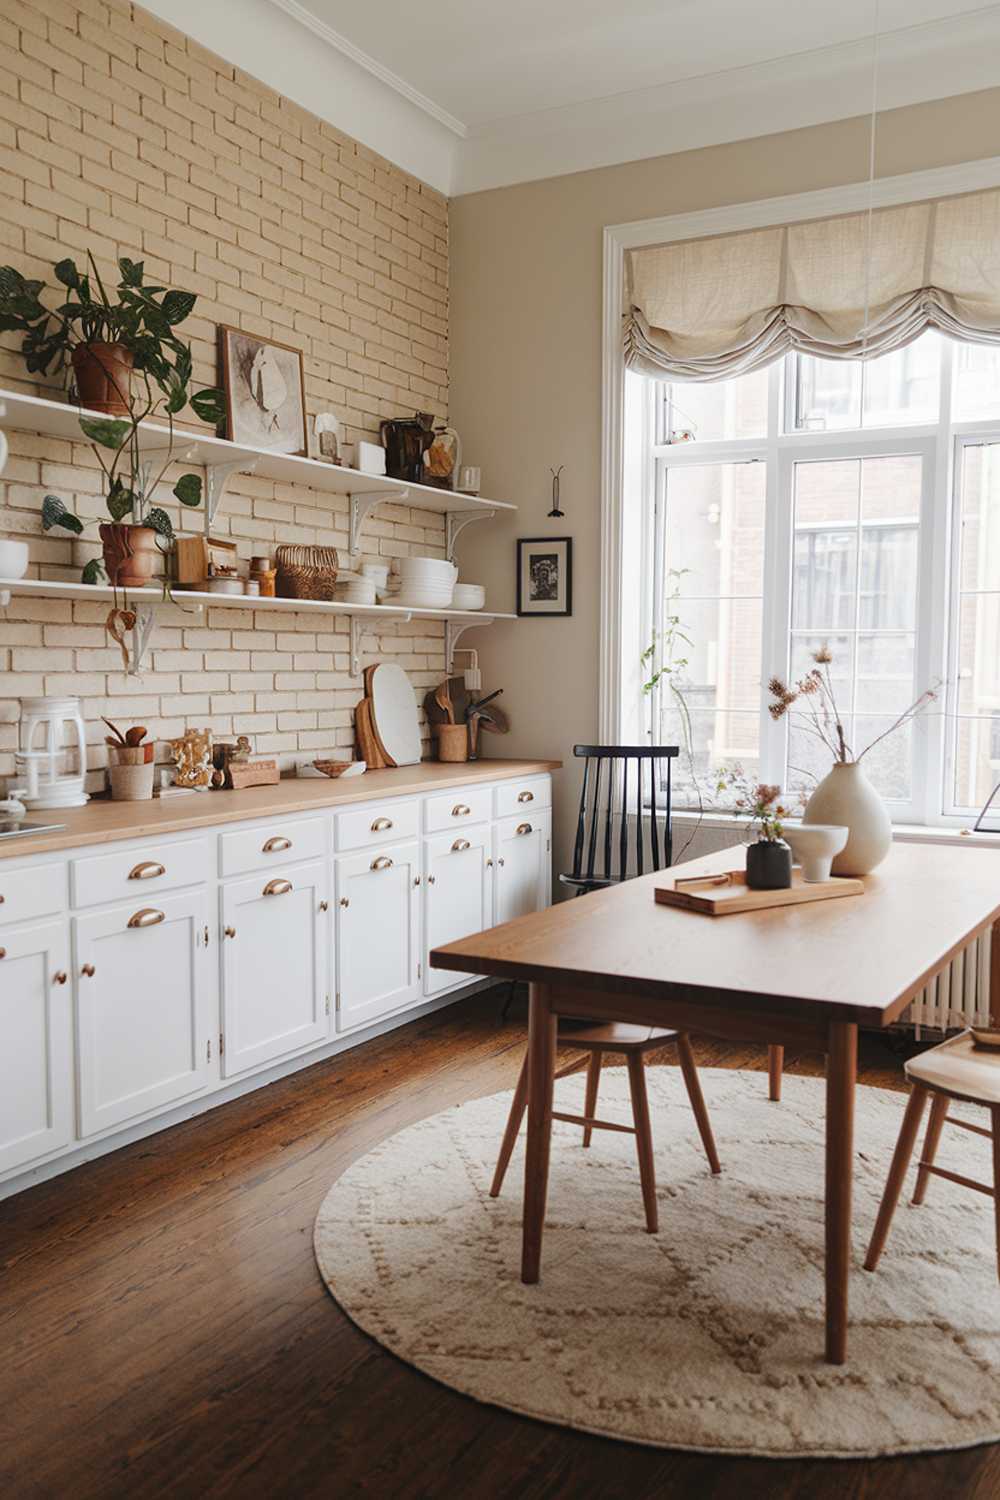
709	1335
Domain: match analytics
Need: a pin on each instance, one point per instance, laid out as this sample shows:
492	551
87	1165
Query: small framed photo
265	392
545	575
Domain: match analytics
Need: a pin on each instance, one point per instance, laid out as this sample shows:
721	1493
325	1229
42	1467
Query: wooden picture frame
265	392
545	575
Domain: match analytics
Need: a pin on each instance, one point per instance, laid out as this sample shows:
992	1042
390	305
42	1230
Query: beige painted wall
526	368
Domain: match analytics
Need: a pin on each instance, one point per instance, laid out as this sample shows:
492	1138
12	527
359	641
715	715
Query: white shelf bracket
142	635
358	623
217	476
362	507
453	632
456	522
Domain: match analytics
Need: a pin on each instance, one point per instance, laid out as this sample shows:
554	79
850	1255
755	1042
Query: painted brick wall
122	136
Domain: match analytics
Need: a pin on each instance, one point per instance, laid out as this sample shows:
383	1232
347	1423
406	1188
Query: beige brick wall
122	136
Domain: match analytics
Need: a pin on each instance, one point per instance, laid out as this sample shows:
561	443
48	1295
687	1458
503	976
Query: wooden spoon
136	735
120	738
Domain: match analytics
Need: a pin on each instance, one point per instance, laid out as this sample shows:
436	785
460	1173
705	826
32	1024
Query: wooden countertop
103	822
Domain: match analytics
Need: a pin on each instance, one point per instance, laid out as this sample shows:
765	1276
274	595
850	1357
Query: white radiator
959	996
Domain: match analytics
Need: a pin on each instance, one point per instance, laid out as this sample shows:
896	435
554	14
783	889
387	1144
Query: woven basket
306	572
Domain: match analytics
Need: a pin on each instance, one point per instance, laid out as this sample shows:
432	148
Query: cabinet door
458	895
275	970
144	1019
378	933
36	1059
523	877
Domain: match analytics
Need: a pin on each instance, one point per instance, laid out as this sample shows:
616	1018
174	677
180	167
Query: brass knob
3	952
382	863
229	931
523	828
275	845
460	845
324	906
148	870
525	796
432	880
500	862
146	918
489	864
277	888
344	901
60	978
381	824
460	811
88	971
416	880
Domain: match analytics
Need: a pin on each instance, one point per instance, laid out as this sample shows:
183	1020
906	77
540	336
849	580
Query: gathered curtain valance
709	309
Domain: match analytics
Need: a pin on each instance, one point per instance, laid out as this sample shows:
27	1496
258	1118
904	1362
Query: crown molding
371	65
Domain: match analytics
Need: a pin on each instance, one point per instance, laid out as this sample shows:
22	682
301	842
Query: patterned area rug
709	1335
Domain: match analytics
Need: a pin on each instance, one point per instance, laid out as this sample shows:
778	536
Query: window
836	503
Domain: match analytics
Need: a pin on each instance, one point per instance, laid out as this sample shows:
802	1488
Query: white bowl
225	586
13	559
814	846
469	596
377	572
426	568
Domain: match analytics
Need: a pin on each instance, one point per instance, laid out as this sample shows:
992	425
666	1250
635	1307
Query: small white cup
814	846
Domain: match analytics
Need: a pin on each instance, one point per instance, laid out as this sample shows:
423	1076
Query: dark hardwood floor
164	1331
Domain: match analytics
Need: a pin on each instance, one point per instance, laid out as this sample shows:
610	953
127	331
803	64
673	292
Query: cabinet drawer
31	891
452	809
377	824
272	844
530	795
138	872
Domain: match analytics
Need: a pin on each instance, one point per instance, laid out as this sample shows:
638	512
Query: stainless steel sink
13	828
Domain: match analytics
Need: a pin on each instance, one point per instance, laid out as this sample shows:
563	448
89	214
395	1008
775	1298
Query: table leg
841	1077
541	1068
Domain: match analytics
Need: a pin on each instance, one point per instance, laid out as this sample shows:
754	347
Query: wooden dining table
803	976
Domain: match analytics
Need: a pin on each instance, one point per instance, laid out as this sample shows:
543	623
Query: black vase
769	865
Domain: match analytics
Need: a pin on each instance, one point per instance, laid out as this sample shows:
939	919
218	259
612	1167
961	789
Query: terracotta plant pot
769	865
103	374
130	554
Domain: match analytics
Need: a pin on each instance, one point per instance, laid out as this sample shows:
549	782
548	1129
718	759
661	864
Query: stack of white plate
426	582
468	596
350	589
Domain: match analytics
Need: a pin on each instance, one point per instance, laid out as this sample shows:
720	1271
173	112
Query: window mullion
776	606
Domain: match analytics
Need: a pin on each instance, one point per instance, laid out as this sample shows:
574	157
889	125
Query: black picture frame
545	576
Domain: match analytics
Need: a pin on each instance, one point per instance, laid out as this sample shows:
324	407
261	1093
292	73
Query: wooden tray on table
718	895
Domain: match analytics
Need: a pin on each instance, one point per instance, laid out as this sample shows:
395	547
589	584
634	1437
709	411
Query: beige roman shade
708	309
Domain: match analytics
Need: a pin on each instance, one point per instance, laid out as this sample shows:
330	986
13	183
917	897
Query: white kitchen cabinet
378	933
458	895
145	1032
275	965
36	1055
521	865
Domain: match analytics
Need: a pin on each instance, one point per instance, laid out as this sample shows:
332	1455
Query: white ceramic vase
846	796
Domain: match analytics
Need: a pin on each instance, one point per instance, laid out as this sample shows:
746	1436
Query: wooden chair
958	1069
633	1042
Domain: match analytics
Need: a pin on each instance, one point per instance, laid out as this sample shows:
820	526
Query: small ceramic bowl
813	847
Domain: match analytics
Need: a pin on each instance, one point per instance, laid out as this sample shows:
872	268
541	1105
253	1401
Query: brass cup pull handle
277	888
382	863
324	906
523	828
525	796
229	931
146	918
381	824
88	971
148	870
459	845
460	810
345	901
60	978
275	845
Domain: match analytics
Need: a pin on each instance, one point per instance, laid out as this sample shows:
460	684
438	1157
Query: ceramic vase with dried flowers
769	859
845	796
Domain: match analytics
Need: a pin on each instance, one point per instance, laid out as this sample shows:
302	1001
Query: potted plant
103	339
143	320
769	859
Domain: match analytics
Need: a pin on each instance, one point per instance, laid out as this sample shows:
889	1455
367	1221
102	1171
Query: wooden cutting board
718	895
369	748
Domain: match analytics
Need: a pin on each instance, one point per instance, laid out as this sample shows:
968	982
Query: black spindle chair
602	831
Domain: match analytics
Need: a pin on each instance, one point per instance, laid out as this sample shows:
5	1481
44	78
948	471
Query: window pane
976	382
840	671
885	673
977	760
715	410
835	394
979	654
980	500
718	739
887	766
722	649
825	574
715	528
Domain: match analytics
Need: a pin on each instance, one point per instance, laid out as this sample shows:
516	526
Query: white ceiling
474	94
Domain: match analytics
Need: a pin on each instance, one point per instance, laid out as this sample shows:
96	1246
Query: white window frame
620	705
